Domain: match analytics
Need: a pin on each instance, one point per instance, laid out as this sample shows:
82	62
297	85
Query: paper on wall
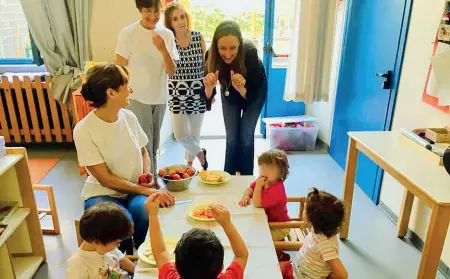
431	86
441	69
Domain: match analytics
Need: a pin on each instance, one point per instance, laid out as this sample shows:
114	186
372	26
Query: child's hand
221	214
152	204
245	201
261	181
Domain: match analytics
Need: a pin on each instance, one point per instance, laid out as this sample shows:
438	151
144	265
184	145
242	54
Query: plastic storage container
284	134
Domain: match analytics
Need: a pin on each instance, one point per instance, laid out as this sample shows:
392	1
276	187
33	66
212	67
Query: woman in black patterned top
187	99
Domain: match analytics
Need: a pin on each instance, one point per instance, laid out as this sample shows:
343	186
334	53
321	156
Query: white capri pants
186	129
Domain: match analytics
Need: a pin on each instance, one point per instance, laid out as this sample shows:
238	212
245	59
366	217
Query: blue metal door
276	72
372	54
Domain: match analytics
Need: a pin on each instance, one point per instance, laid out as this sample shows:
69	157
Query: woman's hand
210	81
238	82
158	41
166	199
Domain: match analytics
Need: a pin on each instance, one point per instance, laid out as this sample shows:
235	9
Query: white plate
224	173
195	206
170	245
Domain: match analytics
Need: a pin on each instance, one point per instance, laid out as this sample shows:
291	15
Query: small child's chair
299	228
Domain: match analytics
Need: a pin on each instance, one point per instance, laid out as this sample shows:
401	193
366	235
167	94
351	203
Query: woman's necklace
227	92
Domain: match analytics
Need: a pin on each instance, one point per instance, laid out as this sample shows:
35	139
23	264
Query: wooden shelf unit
22	248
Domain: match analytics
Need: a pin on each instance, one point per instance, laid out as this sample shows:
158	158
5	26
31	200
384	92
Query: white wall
323	111
410	111
108	18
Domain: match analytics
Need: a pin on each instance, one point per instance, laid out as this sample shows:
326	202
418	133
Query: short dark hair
104	223
99	79
325	212
276	157
140	4
199	255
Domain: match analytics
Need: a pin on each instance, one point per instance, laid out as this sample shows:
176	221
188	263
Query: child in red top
268	190
199	253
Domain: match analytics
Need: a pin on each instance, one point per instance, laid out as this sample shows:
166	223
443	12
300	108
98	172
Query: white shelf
19	216
25	267
8	161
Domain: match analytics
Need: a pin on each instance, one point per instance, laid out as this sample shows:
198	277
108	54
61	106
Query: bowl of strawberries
177	178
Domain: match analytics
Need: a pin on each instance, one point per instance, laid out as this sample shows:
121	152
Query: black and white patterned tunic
186	86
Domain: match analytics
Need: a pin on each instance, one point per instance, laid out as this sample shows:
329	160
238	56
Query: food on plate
203	212
212	176
176	174
149	254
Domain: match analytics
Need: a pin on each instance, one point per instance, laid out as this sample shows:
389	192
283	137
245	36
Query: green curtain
61	31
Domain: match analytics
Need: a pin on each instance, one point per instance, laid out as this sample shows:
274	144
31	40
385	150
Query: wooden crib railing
29	113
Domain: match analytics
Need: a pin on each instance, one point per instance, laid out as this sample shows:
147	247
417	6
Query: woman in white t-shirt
111	145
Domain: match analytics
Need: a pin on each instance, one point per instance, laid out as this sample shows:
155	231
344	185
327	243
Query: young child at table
102	228
319	256
199	253
268	190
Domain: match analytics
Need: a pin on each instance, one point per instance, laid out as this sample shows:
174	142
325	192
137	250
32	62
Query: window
15	44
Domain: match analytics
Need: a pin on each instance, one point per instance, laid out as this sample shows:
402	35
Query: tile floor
372	250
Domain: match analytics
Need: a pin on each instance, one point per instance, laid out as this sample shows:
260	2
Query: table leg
349	185
434	242
405	213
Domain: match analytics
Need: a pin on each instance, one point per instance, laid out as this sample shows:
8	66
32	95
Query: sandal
205	165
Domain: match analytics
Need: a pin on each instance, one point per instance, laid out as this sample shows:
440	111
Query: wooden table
251	223
421	177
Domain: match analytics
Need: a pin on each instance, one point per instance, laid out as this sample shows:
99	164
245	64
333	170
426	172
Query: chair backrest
77	229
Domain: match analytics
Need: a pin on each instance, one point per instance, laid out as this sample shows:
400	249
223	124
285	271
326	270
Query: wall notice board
437	88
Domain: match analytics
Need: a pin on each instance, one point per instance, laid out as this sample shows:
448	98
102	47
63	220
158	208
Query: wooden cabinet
22	248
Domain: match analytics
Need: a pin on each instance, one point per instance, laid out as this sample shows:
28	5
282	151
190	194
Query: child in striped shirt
319	256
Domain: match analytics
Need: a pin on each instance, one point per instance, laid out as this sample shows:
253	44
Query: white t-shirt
92	265
116	144
148	77
313	256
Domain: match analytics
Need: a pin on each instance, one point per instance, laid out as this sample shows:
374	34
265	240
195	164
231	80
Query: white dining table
251	223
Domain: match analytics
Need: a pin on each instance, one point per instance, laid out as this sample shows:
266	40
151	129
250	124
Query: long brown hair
226	28
168	15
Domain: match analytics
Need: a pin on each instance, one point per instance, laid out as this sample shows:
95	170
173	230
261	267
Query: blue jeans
240	124
134	207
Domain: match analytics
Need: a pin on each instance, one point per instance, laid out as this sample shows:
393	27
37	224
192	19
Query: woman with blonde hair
187	99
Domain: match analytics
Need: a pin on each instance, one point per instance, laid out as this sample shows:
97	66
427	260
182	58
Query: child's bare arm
159	250
338	269
248	194
237	244
240	251
127	265
257	193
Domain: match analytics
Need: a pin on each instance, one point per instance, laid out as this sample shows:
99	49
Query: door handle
387	82
269	49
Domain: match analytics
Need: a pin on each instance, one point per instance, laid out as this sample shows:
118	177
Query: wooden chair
80	109
299	228
80	240
51	211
